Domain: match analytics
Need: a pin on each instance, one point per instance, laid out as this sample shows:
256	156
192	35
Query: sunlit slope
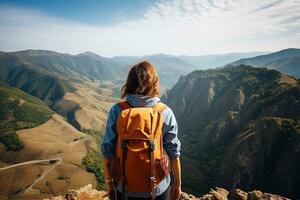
54	139
87	107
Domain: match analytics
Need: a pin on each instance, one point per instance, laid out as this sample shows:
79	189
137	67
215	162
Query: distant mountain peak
161	55
88	53
286	61
36	52
289	49
92	55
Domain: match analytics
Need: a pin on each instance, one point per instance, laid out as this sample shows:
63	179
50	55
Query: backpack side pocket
162	167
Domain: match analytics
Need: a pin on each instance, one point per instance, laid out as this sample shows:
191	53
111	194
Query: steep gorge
239	128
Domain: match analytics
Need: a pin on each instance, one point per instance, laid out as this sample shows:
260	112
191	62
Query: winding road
56	161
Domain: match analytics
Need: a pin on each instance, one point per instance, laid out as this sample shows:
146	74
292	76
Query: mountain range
91	66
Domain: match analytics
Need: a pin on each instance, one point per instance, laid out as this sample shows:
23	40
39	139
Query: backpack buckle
152	145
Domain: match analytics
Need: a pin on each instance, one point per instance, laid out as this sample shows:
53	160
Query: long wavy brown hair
142	79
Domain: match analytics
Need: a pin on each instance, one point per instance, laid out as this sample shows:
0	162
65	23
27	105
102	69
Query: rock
255	195
215	194
185	196
85	193
88	193
258	195
237	195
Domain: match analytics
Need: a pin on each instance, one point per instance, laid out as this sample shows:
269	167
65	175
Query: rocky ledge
237	194
88	193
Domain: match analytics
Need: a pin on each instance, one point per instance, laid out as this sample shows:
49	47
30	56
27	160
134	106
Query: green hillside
29	77
240	128
19	110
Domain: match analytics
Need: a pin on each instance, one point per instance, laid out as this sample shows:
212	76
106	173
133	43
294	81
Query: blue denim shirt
171	142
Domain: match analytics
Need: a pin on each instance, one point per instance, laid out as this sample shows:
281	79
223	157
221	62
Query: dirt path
55	161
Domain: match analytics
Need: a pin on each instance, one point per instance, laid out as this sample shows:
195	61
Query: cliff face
240	128
88	193
266	156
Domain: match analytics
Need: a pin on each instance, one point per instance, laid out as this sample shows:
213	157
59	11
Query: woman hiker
140	147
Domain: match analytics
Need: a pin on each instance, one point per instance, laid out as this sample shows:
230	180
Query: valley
87	107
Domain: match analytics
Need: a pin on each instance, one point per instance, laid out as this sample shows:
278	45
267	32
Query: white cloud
191	27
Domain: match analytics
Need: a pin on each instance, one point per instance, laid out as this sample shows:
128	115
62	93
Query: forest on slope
19	110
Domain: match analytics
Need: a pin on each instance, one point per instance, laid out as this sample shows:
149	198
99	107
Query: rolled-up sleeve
171	142
108	146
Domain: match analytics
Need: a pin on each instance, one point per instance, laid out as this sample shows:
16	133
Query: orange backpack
141	162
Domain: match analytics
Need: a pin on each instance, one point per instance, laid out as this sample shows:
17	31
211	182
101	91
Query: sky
142	27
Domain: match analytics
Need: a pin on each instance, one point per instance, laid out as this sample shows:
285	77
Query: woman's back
141	91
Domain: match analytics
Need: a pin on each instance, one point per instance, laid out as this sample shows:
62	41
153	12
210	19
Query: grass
93	163
11	140
19	110
95	133
93	160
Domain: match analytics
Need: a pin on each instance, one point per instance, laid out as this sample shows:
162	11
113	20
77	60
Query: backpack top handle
160	107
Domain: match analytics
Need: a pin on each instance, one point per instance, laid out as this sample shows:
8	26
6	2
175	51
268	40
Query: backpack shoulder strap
160	107
124	105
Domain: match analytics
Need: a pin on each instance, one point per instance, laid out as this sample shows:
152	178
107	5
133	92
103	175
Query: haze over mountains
213	61
235	122
286	61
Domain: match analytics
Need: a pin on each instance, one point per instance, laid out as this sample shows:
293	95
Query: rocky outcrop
85	193
88	193
237	194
